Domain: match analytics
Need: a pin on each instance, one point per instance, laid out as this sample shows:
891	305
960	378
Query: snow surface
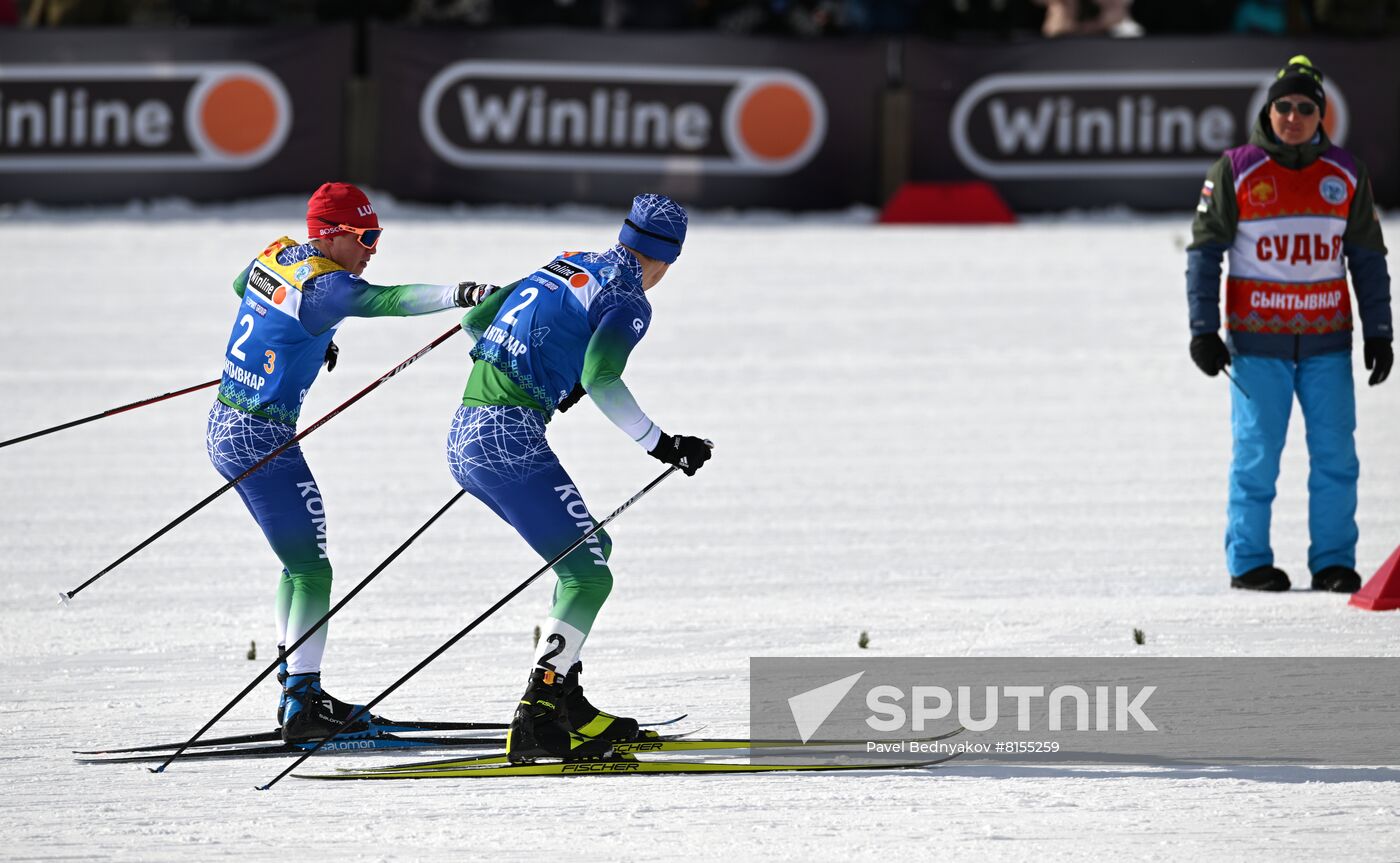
966	442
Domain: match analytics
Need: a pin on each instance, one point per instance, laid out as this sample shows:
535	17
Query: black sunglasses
1285	107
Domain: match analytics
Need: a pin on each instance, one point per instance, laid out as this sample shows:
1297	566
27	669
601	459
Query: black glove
332	354
685	452
1209	353
572	398
1380	356
468	294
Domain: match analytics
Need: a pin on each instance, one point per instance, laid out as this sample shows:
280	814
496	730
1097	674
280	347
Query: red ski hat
336	204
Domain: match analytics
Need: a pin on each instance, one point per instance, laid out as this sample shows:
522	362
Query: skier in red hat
292	297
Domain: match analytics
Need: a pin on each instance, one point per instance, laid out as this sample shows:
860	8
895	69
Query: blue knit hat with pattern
655	227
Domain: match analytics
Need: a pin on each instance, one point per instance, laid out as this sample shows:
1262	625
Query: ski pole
107	413
64	596
474	624
309	632
1237	384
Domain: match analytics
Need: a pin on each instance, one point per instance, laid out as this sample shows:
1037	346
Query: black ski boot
1262	578
589	721
1337	579
312	714
540	727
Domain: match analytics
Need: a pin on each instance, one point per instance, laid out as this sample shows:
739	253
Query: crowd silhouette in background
941	19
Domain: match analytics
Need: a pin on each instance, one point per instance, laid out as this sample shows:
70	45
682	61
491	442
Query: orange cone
1382	592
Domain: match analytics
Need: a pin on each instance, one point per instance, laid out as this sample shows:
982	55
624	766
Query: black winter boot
1262	578
1337	579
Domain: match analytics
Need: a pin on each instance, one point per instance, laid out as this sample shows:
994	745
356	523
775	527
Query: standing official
1294	212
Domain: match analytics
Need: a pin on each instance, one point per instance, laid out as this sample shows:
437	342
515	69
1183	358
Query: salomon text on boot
312	714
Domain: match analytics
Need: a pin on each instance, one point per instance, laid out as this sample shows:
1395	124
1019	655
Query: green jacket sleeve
1212	234
1217	214
240	284
1363	227
1365	251
603	363
356	298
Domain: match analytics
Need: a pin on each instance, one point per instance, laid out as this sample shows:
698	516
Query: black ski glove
468	294
1209	353
572	398
683	451
1380	356
332	354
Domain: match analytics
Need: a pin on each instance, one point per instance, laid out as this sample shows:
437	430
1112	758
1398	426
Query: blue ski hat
655	227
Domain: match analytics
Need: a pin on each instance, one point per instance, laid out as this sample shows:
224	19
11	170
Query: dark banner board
558	116
543	117
92	116
1091	123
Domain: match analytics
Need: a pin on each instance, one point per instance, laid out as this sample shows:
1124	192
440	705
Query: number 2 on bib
236	349
528	295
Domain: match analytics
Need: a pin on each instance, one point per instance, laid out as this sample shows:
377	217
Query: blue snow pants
1323	386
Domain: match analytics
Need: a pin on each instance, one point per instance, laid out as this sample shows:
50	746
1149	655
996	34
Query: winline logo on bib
140	116
614	117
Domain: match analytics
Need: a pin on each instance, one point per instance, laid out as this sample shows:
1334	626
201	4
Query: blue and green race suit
291	300
574	320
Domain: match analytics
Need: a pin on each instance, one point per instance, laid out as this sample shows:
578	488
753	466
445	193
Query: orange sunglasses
368	237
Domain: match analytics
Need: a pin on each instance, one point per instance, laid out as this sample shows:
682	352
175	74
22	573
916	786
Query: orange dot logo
578	280
279	295
239	115
775	121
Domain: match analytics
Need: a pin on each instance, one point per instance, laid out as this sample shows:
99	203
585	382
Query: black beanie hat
1300	78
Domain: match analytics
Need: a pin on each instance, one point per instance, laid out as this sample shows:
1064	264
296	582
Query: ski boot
589	721
312	714
540	727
